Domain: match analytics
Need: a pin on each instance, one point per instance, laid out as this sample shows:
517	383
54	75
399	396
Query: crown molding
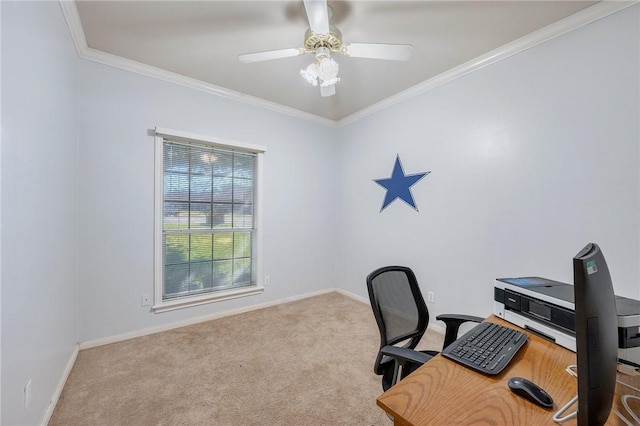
586	16
74	23
171	77
70	12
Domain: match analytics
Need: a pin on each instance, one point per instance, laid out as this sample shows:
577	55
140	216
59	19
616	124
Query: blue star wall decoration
399	185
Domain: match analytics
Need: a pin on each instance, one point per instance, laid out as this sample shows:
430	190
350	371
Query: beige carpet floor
308	362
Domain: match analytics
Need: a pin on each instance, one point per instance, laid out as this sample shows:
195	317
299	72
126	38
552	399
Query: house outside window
207	226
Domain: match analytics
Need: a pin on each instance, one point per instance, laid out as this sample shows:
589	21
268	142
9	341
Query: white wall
0	215
39	208
117	110
530	158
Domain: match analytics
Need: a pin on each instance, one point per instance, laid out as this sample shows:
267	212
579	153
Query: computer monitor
596	335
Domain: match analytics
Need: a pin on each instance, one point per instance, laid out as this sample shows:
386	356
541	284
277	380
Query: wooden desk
443	392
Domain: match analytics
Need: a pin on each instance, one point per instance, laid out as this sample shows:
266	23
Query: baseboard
166	327
61	383
352	296
152	330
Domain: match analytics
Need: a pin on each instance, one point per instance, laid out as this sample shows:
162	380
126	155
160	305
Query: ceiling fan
321	39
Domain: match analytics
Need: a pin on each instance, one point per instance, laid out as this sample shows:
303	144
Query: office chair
402	318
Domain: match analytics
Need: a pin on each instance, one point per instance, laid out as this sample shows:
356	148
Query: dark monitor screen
596	335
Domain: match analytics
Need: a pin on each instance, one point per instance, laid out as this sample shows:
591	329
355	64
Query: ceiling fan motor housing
332	40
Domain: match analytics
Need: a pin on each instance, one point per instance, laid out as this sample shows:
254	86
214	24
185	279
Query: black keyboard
488	347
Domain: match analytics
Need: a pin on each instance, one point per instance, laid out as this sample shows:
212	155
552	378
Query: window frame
160	305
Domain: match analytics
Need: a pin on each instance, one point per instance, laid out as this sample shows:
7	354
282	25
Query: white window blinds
208	219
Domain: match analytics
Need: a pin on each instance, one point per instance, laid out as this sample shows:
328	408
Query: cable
623	418
560	412
626	405
625	398
557	416
571	370
629	386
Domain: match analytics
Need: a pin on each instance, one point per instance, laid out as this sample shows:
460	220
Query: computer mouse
530	391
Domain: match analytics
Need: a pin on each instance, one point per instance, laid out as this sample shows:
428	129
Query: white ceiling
202	40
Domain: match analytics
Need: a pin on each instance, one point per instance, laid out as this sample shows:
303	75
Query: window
207	220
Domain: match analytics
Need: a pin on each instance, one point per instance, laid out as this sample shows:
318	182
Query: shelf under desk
443	392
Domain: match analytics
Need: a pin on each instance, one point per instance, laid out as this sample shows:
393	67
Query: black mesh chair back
399	309
402	318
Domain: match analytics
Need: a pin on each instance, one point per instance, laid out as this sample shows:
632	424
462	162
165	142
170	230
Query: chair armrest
403	355
405	361
452	323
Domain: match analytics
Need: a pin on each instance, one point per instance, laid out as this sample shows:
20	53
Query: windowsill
172	305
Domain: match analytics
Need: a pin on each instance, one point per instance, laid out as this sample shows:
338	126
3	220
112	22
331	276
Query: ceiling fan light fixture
310	74
322	52
327	69
331	82
327	91
323	71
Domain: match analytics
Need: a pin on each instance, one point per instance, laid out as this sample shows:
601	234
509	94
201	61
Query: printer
545	307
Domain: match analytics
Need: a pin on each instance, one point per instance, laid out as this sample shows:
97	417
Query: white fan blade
392	52
326	91
271	54
318	15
